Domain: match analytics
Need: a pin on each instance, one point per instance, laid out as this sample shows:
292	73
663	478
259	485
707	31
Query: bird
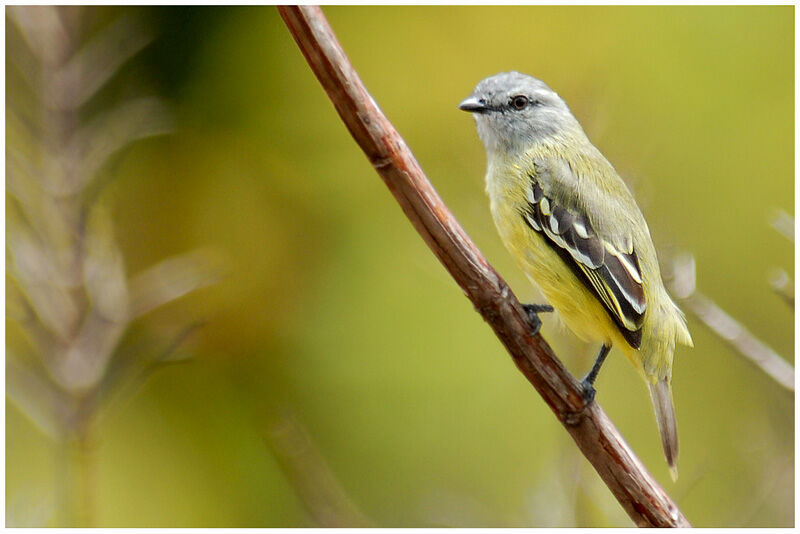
574	228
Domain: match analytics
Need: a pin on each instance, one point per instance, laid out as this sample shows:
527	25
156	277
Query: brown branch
636	490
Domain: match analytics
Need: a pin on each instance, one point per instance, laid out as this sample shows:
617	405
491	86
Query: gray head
514	110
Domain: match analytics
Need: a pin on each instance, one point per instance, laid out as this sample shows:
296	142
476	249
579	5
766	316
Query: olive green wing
613	275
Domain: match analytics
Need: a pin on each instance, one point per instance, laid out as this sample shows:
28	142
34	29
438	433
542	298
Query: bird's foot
533	311
587	384
588	391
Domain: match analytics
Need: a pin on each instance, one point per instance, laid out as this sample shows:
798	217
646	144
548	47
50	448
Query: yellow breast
577	306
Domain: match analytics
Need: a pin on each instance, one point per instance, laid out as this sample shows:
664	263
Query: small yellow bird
575	229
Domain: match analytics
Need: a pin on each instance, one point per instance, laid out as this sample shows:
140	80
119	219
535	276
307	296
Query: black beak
474	105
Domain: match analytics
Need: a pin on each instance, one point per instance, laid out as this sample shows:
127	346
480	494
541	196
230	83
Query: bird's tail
661	395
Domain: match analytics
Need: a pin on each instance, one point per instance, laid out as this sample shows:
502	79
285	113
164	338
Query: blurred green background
339	375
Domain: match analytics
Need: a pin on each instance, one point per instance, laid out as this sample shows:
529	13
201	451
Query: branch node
575	417
381	162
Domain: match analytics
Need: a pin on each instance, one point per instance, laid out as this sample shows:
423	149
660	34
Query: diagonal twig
783	286
636	490
783	223
779	280
726	327
311	478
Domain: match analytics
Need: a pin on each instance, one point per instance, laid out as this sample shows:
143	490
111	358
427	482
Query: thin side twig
683	286
779	280
783	223
600	442
783	286
741	339
312	479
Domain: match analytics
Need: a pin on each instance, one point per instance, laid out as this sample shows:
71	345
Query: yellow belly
577	306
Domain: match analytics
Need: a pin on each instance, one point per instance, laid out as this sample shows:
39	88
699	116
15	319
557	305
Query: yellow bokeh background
332	309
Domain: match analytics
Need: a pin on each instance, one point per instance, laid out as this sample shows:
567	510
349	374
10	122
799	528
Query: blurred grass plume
68	290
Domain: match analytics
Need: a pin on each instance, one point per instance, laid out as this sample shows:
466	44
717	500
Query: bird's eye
519	102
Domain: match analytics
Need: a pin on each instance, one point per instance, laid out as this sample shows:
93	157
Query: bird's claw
588	391
533	311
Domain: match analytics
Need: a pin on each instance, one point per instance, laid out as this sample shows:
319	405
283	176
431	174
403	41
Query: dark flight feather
613	275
